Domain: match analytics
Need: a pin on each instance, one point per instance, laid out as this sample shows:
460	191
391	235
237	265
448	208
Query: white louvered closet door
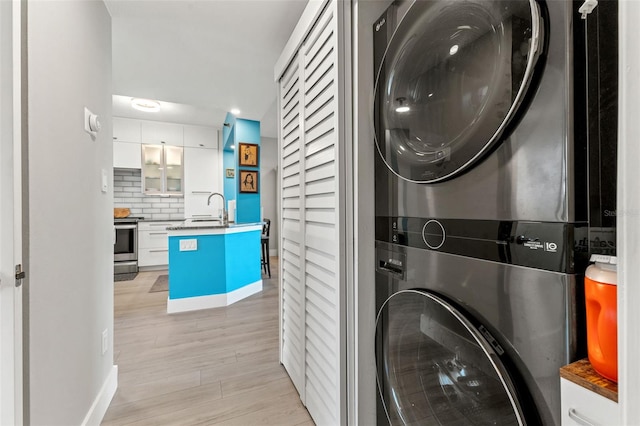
292	294
312	255
322	249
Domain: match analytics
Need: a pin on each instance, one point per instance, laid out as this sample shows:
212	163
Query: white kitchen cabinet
162	169
202	176
126	155
200	137
126	143
153	243
155	132
126	130
581	406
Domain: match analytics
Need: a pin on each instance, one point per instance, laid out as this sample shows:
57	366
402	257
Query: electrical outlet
105	341
189	245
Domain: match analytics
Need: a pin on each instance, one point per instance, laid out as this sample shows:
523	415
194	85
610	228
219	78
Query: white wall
70	220
268	188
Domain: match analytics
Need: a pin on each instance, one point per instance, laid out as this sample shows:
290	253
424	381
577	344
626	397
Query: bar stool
264	262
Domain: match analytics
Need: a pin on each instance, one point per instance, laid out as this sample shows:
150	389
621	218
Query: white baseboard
103	399
186	304
153	268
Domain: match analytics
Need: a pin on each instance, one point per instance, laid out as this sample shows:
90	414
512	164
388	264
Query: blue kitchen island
211	265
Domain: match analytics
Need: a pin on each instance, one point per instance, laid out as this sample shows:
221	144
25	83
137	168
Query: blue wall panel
200	272
242	259
248	208
228	160
248	204
247	131
240	130
228	137
221	264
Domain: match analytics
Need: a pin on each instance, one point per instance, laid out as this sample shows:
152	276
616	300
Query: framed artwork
231	173
248	181
248	154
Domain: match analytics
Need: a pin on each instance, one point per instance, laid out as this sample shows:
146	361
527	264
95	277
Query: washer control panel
545	245
433	234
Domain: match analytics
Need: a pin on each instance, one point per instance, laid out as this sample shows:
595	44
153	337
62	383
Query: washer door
453	76
435	367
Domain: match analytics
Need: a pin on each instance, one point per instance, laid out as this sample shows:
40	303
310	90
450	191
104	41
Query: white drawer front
583	407
153	257
153	239
157	226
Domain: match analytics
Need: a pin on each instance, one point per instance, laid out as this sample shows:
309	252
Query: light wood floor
211	367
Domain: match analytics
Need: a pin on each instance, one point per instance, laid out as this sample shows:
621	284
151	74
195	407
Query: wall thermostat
91	123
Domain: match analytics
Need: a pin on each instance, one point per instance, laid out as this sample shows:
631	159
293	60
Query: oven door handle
126	226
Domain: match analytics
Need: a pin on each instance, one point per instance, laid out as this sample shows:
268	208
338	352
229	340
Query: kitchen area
176	182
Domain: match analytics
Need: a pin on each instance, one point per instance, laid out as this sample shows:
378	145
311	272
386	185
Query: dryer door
435	367
452	78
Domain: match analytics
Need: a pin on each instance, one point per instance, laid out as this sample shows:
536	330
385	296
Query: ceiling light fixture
235	111
145	105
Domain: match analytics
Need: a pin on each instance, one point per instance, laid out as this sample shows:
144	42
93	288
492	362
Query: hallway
218	366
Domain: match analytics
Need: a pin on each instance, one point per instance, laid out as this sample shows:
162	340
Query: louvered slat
320	143
320	158
324	186
320	201
326	127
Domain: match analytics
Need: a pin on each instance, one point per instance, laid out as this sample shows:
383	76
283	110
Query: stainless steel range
125	246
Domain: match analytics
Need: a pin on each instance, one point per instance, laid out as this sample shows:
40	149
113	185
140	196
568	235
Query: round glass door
434	367
453	76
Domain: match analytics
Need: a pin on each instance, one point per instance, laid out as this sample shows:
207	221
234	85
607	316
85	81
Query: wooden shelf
582	373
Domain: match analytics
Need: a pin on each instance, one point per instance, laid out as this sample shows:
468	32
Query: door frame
628	213
11	85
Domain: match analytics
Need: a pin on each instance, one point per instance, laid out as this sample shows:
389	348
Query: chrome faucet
225	216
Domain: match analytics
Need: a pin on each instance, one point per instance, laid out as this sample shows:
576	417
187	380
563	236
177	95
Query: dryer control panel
552	246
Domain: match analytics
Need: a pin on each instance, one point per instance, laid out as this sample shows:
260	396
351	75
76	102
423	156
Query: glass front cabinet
162	170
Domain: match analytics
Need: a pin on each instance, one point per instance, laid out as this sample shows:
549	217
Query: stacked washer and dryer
481	209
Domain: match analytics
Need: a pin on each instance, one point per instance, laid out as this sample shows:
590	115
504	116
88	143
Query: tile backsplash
127	192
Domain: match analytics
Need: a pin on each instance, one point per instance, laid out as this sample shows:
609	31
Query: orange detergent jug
600	287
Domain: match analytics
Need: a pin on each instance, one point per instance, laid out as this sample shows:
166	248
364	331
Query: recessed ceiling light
235	111
145	105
